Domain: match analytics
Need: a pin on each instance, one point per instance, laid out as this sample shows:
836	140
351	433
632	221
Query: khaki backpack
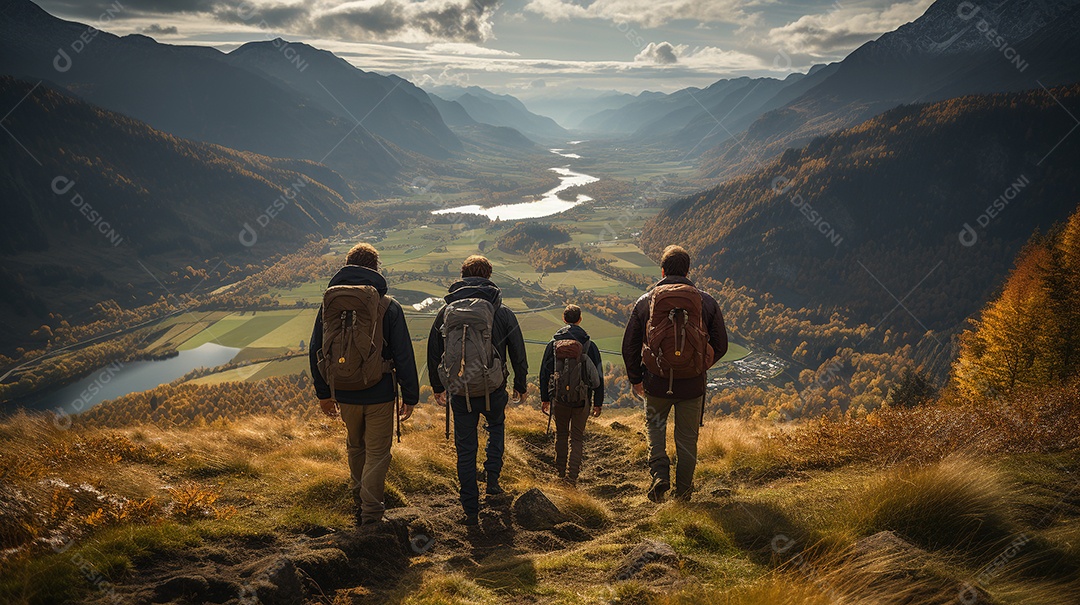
676	340
352	346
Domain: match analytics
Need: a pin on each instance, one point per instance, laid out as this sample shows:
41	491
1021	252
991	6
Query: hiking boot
469	520
493	489
657	490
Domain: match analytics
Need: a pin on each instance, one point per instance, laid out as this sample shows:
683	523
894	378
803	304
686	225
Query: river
118	379
548	204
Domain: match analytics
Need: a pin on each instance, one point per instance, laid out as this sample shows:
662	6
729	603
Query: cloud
465	48
840	29
663	53
413	21
647	13
156	30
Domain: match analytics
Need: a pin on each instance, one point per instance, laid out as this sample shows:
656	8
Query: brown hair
571	314
476	266
364	255
675	261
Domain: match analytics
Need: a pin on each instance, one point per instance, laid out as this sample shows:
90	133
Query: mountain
197	93
932	199
568	107
94	193
502	110
491	138
388	106
947	52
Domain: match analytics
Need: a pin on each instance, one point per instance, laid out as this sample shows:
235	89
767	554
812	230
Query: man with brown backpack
471	341
674	335
570	378
360	353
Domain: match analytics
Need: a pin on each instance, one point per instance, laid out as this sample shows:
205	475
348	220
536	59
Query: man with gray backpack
471	340
360	354
571	378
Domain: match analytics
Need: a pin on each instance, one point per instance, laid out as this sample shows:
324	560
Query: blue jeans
466	442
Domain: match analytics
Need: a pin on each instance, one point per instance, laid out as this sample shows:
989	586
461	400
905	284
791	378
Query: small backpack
575	373
470	367
676	341
351	357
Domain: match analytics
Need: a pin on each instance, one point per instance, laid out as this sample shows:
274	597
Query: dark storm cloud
155	29
93	9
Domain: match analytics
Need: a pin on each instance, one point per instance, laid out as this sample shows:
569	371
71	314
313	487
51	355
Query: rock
189	587
643	554
272	581
533	510
327	567
618	426
16	518
572	532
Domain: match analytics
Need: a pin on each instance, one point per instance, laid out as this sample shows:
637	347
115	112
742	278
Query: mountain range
932	201
94	193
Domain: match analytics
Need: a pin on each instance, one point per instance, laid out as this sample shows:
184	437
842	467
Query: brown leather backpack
676	343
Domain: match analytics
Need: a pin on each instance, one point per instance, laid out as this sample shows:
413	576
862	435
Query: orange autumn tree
1030	334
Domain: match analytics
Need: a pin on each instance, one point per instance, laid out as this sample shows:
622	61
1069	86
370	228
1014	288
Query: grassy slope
760	530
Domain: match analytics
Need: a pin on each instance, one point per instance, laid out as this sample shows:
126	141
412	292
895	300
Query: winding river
548	204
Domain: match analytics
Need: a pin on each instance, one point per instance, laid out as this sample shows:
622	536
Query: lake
118	379
548	204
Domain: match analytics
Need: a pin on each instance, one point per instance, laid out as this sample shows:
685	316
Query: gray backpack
470	367
351	356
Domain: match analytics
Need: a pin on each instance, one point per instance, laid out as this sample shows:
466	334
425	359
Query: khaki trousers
687	417
370	433
569	427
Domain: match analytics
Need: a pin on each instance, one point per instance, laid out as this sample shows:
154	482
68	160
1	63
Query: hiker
366	355
470	341
571	378
674	335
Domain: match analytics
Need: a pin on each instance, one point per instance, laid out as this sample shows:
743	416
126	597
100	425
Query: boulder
188	587
572	532
644	554
534	511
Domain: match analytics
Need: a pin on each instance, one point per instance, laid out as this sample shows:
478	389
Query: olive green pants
370	433
687	419
569	435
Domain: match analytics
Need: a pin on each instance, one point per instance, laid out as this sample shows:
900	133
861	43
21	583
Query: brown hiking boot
657	490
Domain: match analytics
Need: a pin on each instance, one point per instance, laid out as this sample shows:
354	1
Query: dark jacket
505	334
633	339
547	366
397	346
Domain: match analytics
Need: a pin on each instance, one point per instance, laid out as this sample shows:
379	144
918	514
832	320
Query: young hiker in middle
470	341
570	376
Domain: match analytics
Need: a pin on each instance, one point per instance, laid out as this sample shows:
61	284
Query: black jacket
547	366
505	334
633	339
397	346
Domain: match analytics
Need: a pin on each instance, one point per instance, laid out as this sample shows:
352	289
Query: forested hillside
932	201
110	190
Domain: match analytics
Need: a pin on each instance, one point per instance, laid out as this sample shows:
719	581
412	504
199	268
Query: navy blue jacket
397	346
547	366
505	334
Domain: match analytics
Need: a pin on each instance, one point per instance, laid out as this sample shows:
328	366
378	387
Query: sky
526	47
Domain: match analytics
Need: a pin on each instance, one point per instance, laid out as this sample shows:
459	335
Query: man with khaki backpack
360	354
674	335
571	378
471	341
